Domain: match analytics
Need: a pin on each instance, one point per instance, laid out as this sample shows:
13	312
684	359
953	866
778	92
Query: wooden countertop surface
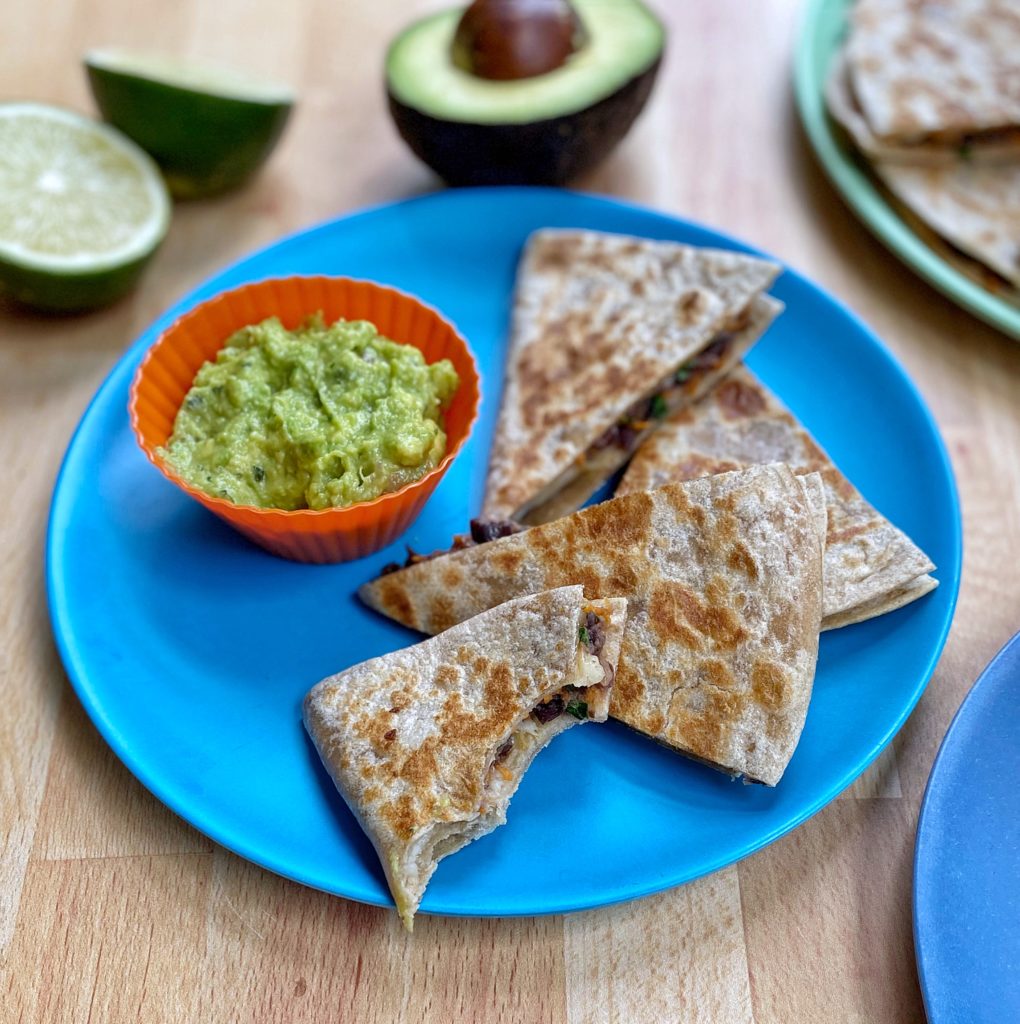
111	909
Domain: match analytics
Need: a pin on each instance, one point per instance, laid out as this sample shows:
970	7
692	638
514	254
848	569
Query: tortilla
883	603
428	744
871	567
843	105
602	464
602	324
972	201
939	71
723	578
975	206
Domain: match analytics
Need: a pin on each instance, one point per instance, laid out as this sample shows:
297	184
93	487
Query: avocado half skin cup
551	151
203	144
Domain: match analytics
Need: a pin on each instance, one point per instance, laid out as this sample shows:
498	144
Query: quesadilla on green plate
969	195
871	567
723	580
937	72
610	334
428	744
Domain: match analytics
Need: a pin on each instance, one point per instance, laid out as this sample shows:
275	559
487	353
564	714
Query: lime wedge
208	128
82	209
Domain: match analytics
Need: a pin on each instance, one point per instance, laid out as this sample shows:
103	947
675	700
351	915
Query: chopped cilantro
582	634
658	407
577	708
682	374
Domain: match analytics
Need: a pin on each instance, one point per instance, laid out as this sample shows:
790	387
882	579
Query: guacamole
319	417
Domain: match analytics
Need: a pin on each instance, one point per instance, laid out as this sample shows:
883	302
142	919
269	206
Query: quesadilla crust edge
761	312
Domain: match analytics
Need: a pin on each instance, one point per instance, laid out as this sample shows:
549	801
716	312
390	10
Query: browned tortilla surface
871	567
723	578
600	322
408	737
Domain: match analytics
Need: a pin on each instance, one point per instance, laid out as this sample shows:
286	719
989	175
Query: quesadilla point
428	744
610	334
723	579
871	567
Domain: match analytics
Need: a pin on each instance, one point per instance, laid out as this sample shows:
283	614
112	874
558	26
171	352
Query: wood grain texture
113	910
114	815
678	956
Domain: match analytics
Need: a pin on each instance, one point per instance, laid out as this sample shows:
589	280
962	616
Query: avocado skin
548	152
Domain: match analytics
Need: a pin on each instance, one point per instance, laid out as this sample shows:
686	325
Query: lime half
82	209
207	127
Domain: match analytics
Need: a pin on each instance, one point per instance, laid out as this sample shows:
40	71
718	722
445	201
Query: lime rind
205	142
68	293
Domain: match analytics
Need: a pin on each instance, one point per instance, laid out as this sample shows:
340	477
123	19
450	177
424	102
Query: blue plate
191	649
967	861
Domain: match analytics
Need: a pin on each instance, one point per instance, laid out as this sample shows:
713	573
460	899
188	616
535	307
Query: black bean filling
594	635
551	709
621	435
482	531
626	430
504	752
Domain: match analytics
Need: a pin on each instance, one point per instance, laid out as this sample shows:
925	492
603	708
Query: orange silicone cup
327	535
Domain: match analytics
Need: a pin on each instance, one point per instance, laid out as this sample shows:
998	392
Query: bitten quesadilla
871	567
610	334
723	579
427	745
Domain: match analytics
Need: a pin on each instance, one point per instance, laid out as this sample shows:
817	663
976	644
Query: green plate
824	27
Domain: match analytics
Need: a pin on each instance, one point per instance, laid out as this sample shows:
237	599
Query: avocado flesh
624	40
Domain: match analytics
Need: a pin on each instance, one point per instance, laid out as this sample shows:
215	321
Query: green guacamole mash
319	417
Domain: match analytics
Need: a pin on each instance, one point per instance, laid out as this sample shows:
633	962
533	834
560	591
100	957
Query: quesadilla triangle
937	72
843	105
871	567
970	199
610	334
723	580
428	744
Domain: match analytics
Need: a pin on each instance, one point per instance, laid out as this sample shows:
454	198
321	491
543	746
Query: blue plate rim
923	840
949	574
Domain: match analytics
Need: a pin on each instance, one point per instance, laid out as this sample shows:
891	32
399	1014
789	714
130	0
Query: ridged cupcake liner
168	370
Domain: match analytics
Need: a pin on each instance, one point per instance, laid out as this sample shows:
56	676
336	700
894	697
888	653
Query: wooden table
111	909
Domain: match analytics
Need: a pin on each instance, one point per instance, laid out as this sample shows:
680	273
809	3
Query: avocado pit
506	40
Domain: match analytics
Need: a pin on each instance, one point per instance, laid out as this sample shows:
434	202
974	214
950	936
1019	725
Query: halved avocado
545	129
